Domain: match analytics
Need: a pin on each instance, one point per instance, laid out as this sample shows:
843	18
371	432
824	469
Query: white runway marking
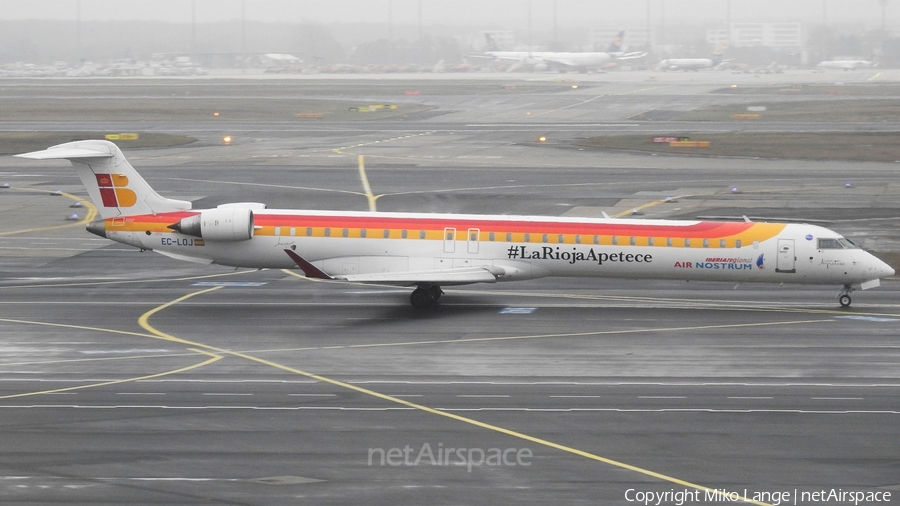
459	410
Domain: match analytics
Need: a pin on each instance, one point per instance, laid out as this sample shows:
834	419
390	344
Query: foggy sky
500	13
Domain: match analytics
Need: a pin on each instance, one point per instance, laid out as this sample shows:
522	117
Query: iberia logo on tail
113	190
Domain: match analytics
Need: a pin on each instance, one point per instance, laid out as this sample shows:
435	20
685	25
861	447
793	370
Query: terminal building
774	35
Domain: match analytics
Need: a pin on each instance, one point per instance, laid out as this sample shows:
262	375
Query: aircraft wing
453	276
457	276
632	56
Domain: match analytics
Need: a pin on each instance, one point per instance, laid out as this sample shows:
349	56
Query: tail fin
616	45
720	50
112	183
491	44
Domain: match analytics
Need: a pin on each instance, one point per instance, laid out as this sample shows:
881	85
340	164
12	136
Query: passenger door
785	260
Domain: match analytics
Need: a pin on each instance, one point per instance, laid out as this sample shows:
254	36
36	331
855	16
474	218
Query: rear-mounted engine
221	224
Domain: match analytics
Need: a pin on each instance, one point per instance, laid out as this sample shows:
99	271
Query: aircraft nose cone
882	269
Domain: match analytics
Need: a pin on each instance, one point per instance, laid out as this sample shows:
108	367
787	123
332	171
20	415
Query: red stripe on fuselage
709	229
705	229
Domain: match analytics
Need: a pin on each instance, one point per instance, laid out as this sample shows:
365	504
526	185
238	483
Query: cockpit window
847	243
830	244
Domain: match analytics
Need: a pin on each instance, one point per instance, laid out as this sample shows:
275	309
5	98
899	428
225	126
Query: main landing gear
844	295
425	296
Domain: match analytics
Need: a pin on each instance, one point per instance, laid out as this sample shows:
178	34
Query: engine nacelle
221	224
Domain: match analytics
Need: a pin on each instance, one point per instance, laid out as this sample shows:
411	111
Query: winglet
309	270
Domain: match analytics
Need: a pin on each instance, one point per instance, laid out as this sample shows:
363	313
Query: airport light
226	140
542	138
216	114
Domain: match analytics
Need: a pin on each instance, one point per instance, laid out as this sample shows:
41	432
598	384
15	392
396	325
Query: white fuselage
845	64
570	59
348	244
686	64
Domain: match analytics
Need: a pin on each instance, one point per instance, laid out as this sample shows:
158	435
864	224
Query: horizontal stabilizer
184	258
65	154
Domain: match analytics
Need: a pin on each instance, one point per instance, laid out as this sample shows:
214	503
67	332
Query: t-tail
616	45
115	188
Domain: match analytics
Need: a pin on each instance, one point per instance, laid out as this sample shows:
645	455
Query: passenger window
577	239
527	237
277	230
668	241
293	231
345	232
737	244
362	233
687	243
403	234
615	240
421	234
649	241
327	232
705	243
387	233
308	231
544	238
632	241
508	237
491	237
596	239
722	243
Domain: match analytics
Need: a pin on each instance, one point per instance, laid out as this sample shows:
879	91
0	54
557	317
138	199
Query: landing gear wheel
422	298
844	295
435	292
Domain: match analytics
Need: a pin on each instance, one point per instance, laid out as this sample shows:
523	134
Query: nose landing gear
844	295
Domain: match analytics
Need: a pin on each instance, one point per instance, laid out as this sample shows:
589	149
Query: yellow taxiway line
144	322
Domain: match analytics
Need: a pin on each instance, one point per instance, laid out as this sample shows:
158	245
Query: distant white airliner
845	64
694	64
543	60
433	250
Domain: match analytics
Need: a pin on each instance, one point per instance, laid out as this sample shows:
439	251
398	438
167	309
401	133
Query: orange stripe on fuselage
746	232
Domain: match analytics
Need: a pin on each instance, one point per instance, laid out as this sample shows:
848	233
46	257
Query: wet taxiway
131	378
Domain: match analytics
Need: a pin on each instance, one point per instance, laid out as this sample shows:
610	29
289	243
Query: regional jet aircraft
429	251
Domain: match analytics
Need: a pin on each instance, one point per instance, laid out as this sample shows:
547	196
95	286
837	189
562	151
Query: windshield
838	243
